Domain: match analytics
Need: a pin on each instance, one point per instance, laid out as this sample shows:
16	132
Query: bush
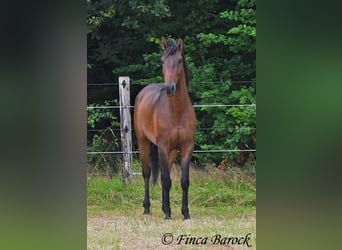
104	139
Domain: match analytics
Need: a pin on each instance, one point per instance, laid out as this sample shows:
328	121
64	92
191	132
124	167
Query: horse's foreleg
166	182
185	182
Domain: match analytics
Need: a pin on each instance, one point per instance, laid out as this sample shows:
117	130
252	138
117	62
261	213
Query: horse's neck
181	100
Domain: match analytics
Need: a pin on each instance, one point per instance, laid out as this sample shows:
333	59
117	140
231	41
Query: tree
234	60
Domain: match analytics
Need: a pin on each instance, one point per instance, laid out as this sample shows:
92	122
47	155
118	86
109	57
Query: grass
219	202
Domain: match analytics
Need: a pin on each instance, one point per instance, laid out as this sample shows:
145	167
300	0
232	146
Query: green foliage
103	141
104	163
97	116
232	127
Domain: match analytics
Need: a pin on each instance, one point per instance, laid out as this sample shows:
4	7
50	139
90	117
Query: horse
165	124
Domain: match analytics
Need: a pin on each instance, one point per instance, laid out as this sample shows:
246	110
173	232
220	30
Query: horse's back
148	95
144	109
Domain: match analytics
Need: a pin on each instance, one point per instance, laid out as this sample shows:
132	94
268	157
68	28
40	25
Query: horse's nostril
172	87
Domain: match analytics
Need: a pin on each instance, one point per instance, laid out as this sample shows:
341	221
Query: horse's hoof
167	217
187	217
147	212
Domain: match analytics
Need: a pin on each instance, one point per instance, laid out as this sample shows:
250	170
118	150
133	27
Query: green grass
223	203
218	191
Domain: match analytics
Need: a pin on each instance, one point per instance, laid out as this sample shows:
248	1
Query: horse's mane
172	47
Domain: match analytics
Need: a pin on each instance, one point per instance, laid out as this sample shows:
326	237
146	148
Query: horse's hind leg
144	148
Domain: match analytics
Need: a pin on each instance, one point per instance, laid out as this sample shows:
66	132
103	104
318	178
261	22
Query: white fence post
125	128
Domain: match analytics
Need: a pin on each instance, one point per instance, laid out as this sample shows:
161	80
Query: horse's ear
180	44
164	43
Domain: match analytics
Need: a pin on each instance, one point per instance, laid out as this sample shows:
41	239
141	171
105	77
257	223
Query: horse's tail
154	162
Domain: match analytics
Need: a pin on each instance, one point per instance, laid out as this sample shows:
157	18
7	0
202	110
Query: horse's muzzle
170	88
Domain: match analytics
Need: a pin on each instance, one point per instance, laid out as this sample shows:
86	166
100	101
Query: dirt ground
137	231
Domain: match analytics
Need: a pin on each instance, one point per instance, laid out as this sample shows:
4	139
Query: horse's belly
176	138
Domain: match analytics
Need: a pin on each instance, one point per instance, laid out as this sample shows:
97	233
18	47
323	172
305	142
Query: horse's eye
179	61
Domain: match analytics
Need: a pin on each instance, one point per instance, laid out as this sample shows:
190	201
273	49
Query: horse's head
173	68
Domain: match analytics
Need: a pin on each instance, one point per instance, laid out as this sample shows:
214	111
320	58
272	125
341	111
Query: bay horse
165	123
